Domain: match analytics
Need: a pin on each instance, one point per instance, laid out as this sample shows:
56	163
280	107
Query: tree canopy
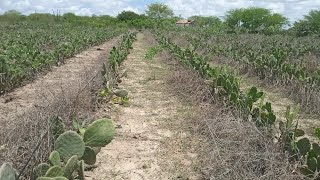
159	11
309	25
12	13
255	19
128	16
206	21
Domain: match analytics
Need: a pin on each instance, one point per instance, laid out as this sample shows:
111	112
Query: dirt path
152	142
21	100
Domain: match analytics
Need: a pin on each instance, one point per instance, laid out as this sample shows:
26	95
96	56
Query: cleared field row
251	104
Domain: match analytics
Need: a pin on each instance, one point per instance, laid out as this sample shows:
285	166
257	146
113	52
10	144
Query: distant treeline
242	20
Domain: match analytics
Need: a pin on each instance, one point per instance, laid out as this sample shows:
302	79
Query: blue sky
293	9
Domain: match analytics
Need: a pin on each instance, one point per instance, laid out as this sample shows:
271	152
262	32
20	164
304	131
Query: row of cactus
72	152
226	84
75	150
110	70
120	53
268	59
275	62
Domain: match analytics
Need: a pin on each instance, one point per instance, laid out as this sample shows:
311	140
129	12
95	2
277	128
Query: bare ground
153	140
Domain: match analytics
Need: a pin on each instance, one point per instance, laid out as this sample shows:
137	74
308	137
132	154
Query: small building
185	22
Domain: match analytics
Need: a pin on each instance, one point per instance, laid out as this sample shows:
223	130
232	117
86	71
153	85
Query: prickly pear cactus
54	178
45	178
99	133
7	172
68	144
54	171
57	126
54	158
121	93
306	171
60	178
89	156
303	146
41	169
71	166
96	149
81	170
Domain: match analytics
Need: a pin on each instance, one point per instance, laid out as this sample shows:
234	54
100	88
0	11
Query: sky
293	9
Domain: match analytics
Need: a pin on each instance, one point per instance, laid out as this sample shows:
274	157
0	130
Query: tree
206	21
255	19
128	16
12	13
159	11
309	25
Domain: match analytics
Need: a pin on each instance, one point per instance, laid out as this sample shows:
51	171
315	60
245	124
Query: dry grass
238	149
20	137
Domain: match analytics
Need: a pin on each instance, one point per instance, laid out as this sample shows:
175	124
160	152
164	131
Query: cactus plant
96	149
60	178
41	169
71	166
99	133
81	170
57	126
121	93
312	164
54	171
45	178
54	178
54	158
68	144
7	172
303	146
89	156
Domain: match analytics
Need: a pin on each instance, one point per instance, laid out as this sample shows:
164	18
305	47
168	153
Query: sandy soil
152	142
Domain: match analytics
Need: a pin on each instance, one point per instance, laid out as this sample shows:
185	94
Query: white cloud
294	9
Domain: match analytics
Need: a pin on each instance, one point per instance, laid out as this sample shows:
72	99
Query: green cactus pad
306	171
99	133
60	178
71	166
304	146
82	131
89	156
7	172
54	171
54	158
312	164
45	178
96	150
121	93
57	126
69	144
299	132
41	169
81	170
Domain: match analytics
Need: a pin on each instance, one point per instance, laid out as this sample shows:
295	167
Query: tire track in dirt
151	141
19	102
